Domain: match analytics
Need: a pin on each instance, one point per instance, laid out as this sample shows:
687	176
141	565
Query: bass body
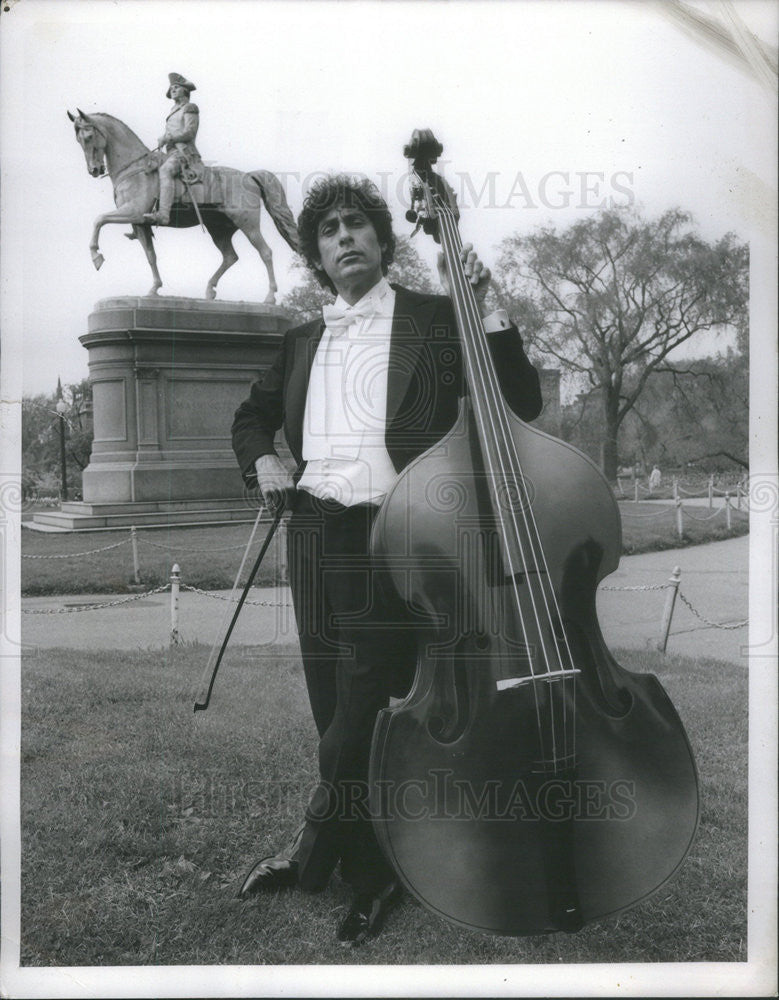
513	792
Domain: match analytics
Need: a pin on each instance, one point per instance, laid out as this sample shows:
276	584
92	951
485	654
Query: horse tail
275	201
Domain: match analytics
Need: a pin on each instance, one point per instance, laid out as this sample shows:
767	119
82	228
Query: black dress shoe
276	872
367	914
279	871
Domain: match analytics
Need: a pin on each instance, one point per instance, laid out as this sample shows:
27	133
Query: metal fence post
676	487
635	492
668	610
136	567
728	515
679	525
175	580
711	491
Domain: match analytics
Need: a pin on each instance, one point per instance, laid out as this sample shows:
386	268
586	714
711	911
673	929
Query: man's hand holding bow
273	480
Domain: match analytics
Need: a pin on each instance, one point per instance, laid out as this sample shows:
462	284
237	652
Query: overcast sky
554	106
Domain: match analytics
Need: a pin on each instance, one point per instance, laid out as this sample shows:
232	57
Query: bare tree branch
614	295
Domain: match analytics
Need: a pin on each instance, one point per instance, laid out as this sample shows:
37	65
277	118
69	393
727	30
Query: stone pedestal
167	375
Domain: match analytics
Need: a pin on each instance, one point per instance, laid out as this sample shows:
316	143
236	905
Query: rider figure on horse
178	144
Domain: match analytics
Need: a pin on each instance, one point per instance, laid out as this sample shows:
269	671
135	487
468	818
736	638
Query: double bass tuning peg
417	219
423	222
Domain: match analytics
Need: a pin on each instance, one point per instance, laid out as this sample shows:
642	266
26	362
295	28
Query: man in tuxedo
360	394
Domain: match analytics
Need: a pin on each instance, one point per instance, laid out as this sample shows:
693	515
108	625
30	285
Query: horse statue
222	199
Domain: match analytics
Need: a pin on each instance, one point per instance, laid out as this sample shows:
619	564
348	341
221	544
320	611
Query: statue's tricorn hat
177	78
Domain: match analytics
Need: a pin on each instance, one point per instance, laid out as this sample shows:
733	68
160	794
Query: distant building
550	419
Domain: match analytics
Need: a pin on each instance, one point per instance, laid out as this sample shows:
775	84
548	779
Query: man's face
177	92
349	251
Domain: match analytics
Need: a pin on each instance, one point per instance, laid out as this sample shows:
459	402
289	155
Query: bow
214	660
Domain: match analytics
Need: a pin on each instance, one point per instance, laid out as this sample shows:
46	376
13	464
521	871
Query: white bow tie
339	319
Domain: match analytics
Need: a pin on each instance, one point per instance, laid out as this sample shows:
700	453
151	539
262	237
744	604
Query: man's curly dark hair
343	191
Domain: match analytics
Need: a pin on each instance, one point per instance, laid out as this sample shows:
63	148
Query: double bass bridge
549	676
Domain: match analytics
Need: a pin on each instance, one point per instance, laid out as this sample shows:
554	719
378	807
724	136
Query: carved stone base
78	515
167	375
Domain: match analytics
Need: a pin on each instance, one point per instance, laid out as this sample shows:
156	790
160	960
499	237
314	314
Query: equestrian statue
184	190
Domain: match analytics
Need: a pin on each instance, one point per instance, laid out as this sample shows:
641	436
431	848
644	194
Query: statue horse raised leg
110	147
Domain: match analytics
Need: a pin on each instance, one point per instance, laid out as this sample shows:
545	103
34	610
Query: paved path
146	623
714	580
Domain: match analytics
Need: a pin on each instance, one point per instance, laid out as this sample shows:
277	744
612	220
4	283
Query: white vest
346	405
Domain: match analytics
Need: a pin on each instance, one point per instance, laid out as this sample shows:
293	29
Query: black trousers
358	648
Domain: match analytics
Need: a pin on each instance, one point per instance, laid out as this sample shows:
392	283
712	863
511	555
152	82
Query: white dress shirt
346	404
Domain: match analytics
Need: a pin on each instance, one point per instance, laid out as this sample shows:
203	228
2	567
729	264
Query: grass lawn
139	820
210	557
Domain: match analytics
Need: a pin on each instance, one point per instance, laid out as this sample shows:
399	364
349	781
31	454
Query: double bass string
478	369
482	367
548	596
487	375
451	241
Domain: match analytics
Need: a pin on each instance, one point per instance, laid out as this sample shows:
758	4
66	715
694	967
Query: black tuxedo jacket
424	383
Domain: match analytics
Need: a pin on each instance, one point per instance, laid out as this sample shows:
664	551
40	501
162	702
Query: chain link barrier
727	626
707	621
685	600
221	597
178	548
702	496
126	541
698	493
95	607
75	555
706	517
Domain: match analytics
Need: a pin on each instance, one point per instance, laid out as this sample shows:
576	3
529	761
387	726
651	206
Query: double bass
527	783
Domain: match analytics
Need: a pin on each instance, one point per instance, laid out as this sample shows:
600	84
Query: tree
40	439
612	296
697	415
694	415
408	269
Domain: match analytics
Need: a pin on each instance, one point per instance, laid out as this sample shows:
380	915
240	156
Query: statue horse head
92	140
108	144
